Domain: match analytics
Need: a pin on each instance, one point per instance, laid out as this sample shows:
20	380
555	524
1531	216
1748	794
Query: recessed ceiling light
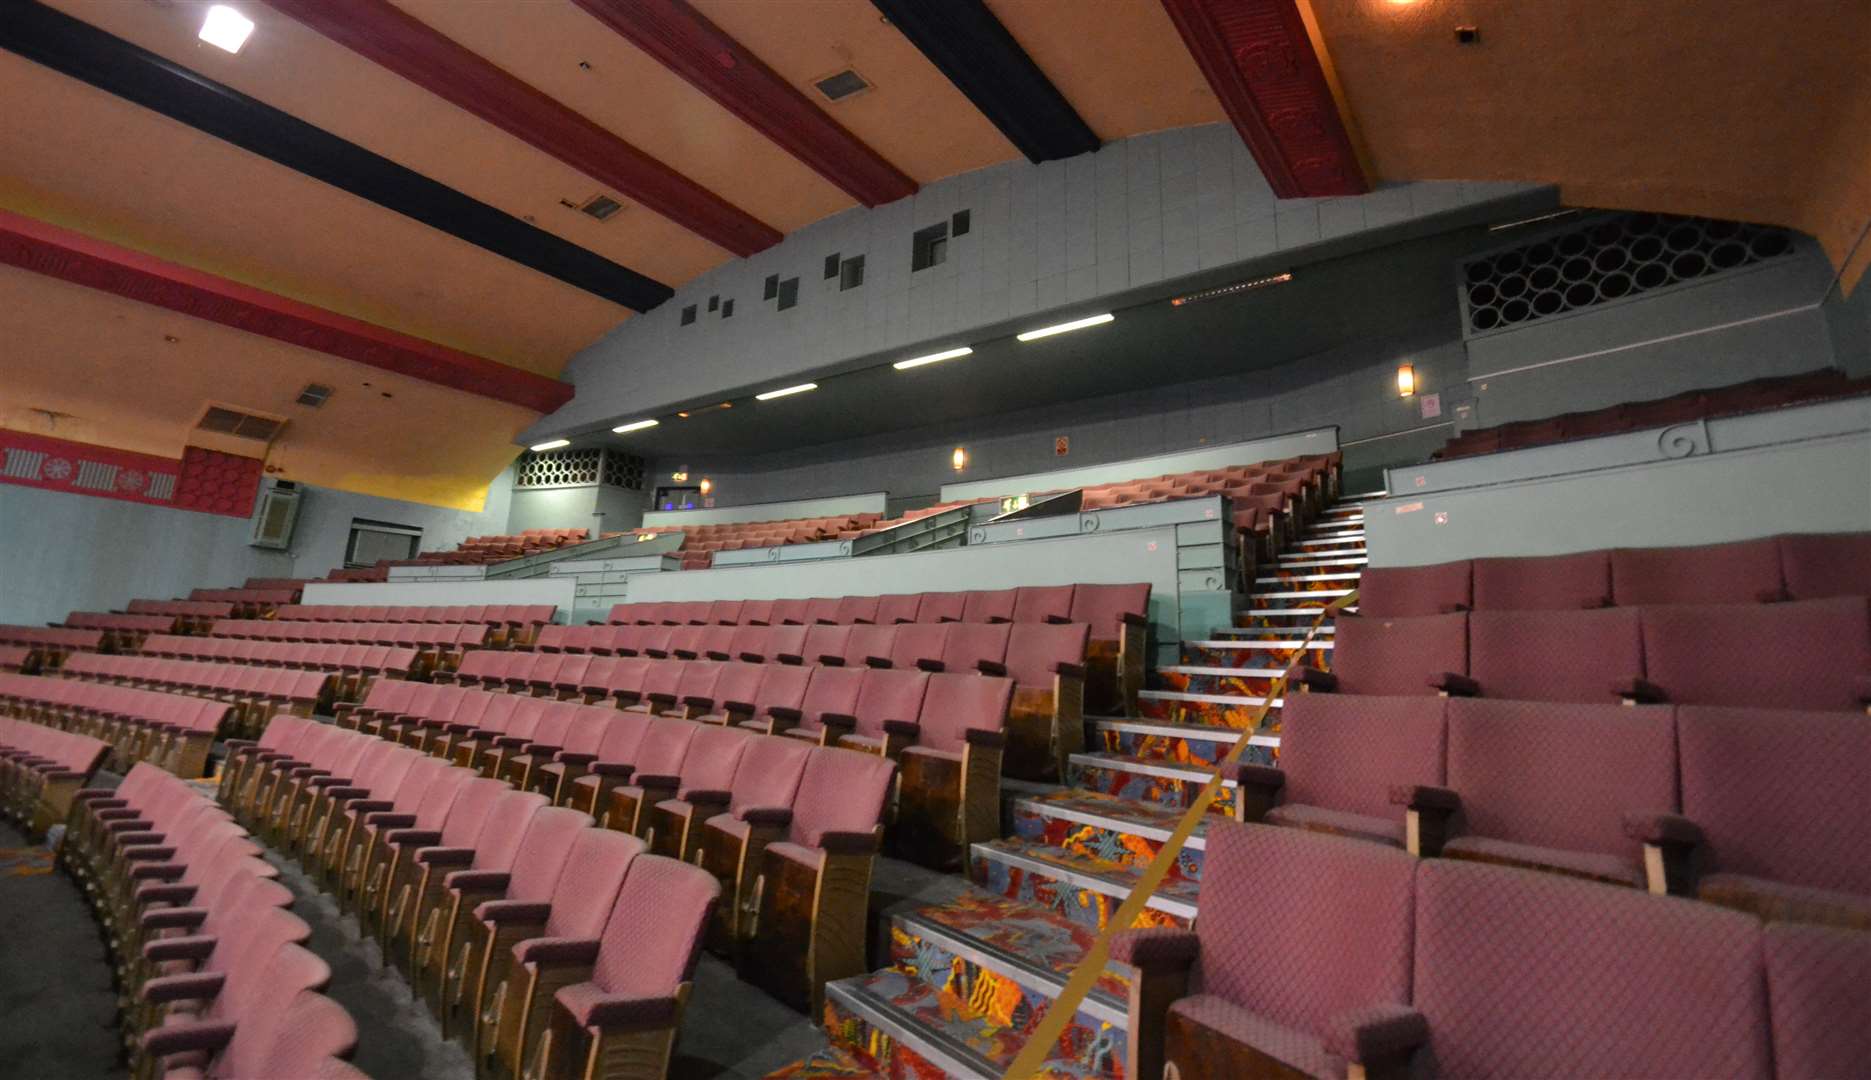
225	28
553	445
1075	324
919	361
786	391
638	425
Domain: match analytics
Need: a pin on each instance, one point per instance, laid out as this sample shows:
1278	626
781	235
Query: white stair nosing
1275	580
1105	821
1084	881
1162	770
926	1044
1267	645
1198	732
1206	699
1014	969
1239	673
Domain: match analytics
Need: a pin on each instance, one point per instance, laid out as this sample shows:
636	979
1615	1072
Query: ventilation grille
841	85
580	468
601	207
225	421
1604	260
313	395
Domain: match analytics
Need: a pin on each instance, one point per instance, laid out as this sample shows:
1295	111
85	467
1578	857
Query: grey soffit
1349	295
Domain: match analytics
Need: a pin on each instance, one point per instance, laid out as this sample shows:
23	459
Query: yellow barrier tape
1046	1036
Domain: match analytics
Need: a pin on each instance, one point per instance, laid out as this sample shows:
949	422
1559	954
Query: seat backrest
714	755
1816	977
1333	914
941	606
1583	655
1807	654
686	641
543	851
783	686
725	613
857	609
642	957
897	608
825	644
1346	752
440	795
1742	572
988	606
1388	592
1042	603
841	791
697	685
469	813
587	888
1563	776
756	613
966	644
789	612
867	643
912	642
1398	656
888	694
661	679
1818	565
739	682
1642	985
1774	791
959	702
769	771
664	745
1105	607
821	609
749	641
1036	651
831	690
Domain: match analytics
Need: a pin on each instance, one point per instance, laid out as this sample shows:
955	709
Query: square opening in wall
851	274
772	287
688	315
714	302
727	309
831	266
789	293
929	247
958	223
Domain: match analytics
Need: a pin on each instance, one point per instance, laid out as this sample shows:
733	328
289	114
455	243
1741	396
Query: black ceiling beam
76	48
964	40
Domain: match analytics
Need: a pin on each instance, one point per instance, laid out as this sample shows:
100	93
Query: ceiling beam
1261	61
388	36
98	264
684	41
964	40
76	48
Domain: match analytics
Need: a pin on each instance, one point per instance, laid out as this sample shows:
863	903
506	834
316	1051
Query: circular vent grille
565	468
1608	259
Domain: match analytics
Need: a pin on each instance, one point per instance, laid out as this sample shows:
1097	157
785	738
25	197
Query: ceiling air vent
601	207
313	395
225	421
841	85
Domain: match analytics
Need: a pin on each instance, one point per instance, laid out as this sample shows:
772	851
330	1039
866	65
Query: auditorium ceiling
421	166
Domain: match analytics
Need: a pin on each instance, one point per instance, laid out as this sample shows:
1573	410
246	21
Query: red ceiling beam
393	39
688	44
97	264
1261	63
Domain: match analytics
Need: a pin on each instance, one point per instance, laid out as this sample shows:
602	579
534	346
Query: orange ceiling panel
300	71
912	114
630	94
1728	108
1124	68
89	161
104	362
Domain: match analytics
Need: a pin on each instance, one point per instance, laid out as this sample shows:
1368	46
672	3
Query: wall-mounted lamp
959	459
1406	380
707	485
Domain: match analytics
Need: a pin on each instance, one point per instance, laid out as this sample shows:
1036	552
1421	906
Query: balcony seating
436	645
1807	654
195	615
41	769
122	632
53	644
1424	655
1540	583
248	603
1387	592
256	693
170	730
1046	724
355	666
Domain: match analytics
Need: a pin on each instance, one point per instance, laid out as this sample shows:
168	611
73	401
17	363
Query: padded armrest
990	667
926	664
574	759
1314	679
1376	1033
780	816
1426	797
204	1037
621	1014
165	894
367	807
783	713
478	880
831	660
1663	830
1456	685
658	780
838	720
193	947
877	661
549	950
390	821
909	729
413	837
697	701
849	843
540	749
1157	949
511	742
737	707
200	985
987	740
708	796
1132	618
500	912
445	856
1265	777
1641	691
616	770
1069	671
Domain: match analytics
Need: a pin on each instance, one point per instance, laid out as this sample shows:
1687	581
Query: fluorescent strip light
638	425
1075	324
225	28
919	361
553	445
787	391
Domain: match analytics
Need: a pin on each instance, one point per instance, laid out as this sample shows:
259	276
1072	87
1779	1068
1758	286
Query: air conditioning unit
277	513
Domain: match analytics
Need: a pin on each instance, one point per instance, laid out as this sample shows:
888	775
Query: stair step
1085	889
1278	579
1224	672
1191	744
899	1023
1260	645
1204	699
1323	595
1041	819
1308	560
1015	942
1324	631
1165	782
